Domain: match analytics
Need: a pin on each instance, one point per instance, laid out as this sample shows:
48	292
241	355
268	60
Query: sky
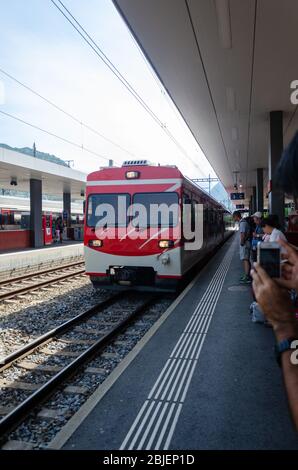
41	49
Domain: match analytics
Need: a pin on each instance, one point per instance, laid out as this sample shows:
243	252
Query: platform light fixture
222	8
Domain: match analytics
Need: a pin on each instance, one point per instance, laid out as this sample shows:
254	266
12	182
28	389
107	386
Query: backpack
251	226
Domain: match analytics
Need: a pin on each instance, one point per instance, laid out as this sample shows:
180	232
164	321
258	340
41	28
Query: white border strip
125	182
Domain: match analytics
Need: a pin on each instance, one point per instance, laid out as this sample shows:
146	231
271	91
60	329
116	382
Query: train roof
146	171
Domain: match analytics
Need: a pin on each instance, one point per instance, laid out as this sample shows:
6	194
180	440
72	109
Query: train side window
193	214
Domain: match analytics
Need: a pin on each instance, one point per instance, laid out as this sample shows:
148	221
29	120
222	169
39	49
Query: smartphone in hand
269	257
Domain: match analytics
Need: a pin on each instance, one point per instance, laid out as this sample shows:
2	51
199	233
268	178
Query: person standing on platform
257	235
271	229
59	229
245	246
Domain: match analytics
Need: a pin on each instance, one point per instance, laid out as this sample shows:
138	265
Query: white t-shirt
277	235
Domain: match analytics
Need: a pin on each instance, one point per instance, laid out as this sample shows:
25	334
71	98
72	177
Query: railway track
18	286
76	341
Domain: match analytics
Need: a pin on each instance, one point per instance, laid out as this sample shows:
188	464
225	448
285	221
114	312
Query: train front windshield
110	210
142	209
155	209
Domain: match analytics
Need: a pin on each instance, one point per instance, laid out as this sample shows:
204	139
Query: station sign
237	196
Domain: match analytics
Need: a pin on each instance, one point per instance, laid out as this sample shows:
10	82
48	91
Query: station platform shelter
203	377
228	67
35	176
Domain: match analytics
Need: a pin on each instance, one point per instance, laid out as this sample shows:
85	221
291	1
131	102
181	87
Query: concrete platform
207	378
14	261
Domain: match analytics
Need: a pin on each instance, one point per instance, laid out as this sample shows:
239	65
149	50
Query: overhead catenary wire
103	57
71	116
52	134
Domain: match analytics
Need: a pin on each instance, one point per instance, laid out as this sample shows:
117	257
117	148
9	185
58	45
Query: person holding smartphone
273	295
274	299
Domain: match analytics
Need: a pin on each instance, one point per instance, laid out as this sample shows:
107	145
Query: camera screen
270	261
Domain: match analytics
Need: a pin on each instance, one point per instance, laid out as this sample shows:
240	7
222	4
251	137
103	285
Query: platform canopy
56	179
226	65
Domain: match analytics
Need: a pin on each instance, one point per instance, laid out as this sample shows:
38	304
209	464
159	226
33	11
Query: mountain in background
43	156
220	194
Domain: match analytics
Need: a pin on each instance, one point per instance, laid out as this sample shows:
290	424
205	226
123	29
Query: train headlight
132	175
166	243
96	243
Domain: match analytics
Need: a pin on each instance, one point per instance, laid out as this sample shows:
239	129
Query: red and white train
124	250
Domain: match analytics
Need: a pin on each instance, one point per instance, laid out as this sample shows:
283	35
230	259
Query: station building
38	177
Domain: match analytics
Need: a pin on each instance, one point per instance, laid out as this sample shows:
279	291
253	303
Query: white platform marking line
199	350
178	342
183	371
203	303
211	308
218	283
185	390
188	346
169	390
169	380
185	344
159	378
141	425
216	275
195	348
173	427
146	403
199	319
164	428
157	426
162	378
182	382
195	317
144	437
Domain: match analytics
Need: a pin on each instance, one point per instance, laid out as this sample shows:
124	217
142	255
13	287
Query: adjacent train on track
126	246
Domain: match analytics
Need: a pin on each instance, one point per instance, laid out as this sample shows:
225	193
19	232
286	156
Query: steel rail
12	419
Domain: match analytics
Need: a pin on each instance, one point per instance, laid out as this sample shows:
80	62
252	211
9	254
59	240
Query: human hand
290	268
275	303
